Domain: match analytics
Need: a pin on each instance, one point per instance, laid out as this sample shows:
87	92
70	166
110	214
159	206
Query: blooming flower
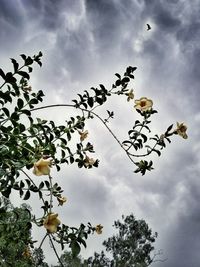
83	135
143	104
89	161
98	229
61	200
27	253
27	88
42	167
181	130
130	95
51	222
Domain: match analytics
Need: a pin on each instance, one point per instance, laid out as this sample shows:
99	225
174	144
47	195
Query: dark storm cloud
11	25
10	13
93	35
104	17
46	13
161	12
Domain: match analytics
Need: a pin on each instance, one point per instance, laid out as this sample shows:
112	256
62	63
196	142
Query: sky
84	43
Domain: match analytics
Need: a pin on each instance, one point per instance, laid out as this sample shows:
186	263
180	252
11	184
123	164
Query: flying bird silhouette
148	27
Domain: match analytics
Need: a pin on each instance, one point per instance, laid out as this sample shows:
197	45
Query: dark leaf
27	195
75	247
90	101
2	74
118	76
28	61
169	128
125	80
144	137
6	192
20	103
15	64
6	111
9	78
24	74
157	151
23	56
25	111
118	82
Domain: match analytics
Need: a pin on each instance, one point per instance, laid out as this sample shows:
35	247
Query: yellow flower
98	229
42	167
89	161
27	88
27	253
143	104
61	200
83	135
181	130
130	95
51	222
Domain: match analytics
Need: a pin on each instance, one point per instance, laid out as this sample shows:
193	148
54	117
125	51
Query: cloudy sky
84	43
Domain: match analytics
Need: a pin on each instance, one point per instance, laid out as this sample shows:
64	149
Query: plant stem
89	112
55	251
51	193
43	240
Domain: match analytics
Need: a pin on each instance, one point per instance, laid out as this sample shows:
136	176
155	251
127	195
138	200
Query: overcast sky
84	43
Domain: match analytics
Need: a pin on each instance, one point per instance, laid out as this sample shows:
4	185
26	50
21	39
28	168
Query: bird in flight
148	27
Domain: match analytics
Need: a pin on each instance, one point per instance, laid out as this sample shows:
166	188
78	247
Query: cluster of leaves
15	234
131	246
138	139
74	237
90	100
22	143
138	136
15	237
25	140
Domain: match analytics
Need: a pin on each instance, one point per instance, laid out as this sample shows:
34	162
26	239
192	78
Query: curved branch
52	244
89	112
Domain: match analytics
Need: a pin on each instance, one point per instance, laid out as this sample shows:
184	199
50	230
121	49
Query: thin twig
90	112
51	193
31	181
43	240
55	251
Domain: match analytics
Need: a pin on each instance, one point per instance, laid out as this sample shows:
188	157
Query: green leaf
9	78
22	127
6	192
41	185
28	61
30	69
90	101
26	111
15	64
6	111
75	247
23	74
2	74
125	80
157	151
20	103
144	137
118	76
23	56
27	195
169	128
118	82
14	117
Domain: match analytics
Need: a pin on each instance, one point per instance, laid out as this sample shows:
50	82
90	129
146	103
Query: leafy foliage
15	235
27	142
131	246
